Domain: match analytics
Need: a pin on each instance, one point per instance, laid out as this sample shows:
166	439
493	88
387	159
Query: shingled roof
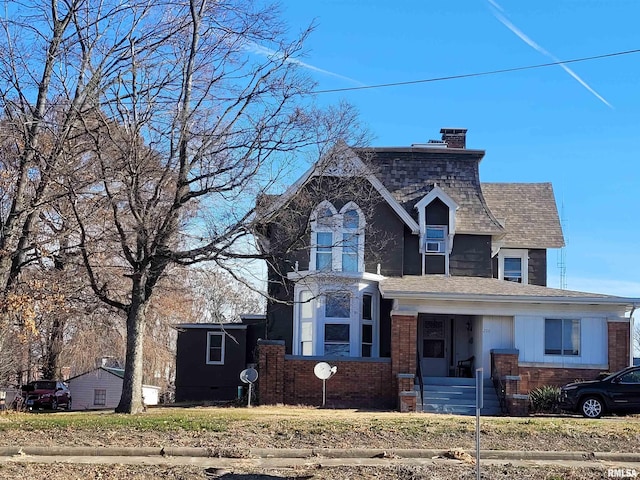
487	289
528	213
409	173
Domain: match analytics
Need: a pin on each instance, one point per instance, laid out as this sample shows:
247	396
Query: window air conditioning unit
434	247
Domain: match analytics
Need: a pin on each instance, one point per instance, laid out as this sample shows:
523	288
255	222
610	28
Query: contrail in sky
497	12
267	52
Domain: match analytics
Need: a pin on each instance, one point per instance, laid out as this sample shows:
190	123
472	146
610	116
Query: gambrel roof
528	213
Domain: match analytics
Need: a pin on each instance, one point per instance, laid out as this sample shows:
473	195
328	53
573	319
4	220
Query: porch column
404	338
619	334
505	369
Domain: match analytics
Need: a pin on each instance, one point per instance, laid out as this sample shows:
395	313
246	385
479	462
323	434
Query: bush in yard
545	399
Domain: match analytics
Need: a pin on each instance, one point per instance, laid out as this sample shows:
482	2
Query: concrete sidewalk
312	454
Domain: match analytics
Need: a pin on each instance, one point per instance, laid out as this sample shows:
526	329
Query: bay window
340	323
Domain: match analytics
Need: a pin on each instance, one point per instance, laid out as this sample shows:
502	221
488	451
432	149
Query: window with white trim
435	250
337	316
337	238
513	265
562	336
366	314
306	323
215	348
340	323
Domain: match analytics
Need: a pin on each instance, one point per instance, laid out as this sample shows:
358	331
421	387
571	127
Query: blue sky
577	127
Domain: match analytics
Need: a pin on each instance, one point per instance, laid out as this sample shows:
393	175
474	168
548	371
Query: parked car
50	394
618	392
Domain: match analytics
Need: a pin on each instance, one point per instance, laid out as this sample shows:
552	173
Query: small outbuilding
210	357
101	388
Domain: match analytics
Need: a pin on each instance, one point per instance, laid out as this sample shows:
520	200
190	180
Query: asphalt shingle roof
528	213
430	285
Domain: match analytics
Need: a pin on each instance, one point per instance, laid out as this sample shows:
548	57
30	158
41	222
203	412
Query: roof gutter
477	297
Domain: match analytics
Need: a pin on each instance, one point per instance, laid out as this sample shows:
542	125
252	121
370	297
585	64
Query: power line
480	74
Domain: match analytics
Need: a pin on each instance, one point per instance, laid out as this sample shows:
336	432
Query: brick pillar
271	371
619	344
404	338
504	366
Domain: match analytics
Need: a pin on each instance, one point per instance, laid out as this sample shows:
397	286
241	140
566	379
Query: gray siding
471	256
412	256
83	387
538	267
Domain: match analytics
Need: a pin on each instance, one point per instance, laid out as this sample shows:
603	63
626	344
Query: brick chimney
454	137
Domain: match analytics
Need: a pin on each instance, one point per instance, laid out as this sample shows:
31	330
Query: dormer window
337	238
437	220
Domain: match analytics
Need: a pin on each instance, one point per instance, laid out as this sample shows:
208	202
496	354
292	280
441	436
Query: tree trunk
131	399
51	367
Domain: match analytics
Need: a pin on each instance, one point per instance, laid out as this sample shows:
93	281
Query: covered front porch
446	345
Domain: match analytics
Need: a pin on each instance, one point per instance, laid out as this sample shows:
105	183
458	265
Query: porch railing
419	375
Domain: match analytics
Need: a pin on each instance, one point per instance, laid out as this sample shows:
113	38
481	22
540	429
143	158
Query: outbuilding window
100	397
215	348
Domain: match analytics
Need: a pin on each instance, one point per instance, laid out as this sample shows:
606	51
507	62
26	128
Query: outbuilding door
435	341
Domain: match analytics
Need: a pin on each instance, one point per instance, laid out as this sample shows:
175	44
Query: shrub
545	399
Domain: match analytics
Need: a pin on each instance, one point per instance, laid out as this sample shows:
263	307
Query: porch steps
457	396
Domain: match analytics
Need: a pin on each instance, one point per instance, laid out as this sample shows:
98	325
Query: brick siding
535	377
365	384
291	381
619	344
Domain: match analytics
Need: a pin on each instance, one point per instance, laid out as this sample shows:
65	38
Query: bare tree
57	58
196	126
219	297
159	123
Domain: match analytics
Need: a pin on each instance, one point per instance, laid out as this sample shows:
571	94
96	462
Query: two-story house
397	261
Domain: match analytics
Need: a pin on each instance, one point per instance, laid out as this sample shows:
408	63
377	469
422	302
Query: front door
435	348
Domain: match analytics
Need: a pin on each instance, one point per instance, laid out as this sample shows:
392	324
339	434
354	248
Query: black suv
46	394
619	392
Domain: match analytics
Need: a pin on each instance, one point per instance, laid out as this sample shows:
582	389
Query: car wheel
54	404
591	407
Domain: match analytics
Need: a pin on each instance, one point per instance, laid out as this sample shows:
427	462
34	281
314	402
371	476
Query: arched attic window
337	238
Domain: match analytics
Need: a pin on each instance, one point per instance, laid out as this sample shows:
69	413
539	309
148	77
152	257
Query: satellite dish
249	375
322	370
